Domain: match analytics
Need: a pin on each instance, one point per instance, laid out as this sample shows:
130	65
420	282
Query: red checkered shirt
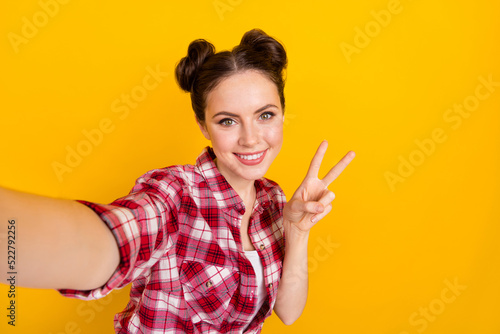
178	233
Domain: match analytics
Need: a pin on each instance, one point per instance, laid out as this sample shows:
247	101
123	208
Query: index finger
317	159
338	168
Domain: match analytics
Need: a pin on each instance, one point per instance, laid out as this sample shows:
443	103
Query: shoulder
174	173
168	181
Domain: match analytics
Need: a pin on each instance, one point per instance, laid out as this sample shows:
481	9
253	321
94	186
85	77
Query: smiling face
244	122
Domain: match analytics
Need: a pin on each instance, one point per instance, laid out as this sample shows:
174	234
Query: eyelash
270	113
224	121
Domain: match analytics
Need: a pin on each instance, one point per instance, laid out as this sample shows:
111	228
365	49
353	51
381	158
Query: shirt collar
226	196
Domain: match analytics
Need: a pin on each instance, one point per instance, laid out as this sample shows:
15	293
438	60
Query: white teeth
251	156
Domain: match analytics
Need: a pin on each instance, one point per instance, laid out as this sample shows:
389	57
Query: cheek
275	134
223	141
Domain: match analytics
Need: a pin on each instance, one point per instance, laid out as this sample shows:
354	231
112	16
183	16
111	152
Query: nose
249	135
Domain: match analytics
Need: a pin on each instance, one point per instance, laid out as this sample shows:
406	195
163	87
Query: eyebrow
227	113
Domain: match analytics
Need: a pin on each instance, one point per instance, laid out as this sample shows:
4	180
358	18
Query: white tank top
260	293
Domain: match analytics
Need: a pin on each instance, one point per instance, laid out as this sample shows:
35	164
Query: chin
254	172
253	176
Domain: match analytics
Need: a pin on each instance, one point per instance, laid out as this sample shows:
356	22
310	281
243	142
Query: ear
203	128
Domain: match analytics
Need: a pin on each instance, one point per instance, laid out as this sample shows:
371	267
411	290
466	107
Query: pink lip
251	162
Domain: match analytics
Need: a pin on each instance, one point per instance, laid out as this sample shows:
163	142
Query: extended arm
60	244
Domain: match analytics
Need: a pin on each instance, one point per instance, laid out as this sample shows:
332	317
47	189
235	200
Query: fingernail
314	220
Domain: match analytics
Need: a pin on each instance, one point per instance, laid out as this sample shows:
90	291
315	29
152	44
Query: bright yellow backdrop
416	212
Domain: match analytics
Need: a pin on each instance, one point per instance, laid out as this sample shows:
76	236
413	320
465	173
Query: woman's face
244	122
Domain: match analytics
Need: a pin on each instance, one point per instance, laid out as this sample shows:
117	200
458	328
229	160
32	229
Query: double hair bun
256	49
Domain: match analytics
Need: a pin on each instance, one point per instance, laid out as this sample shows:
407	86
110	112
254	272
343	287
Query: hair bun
260	42
187	68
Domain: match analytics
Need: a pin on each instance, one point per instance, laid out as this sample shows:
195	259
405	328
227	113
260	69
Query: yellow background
386	251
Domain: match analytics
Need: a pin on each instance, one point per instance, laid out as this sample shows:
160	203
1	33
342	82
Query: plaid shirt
178	233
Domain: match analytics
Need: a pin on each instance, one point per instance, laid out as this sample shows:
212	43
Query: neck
244	188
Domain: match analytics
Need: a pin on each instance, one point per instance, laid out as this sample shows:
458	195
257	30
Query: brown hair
202	69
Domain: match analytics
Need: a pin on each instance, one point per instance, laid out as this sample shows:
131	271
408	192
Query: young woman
209	248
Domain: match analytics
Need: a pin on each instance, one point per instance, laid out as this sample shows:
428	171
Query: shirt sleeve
144	224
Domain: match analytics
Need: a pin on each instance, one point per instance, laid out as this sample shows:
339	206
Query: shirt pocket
208	290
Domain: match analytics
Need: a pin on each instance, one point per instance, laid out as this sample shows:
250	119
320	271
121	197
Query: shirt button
209	284
270	285
262	246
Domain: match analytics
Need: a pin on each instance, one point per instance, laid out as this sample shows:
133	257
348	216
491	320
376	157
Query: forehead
242	92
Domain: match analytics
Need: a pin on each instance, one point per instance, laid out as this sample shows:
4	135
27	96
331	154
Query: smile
251	159
251	156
